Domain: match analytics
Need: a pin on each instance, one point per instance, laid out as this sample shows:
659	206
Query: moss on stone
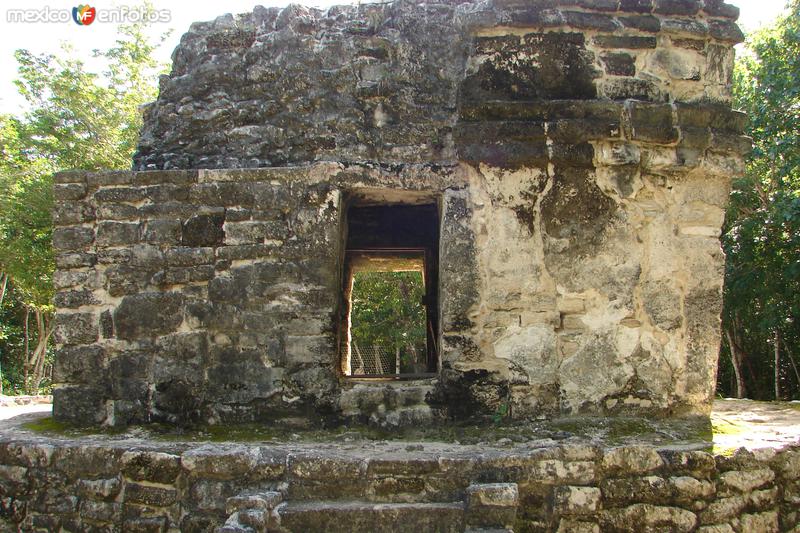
51	426
611	431
47	425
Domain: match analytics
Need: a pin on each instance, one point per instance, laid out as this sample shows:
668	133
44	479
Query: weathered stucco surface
580	155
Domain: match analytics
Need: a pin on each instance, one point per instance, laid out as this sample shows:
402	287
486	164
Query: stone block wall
580	155
94	486
188	296
389	82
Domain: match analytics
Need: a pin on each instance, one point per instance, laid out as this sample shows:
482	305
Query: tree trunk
26	352
3	285
777	343
745	359
736	360
794	365
45	330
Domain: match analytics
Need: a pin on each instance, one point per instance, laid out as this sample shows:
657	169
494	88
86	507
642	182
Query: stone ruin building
557	169
554	171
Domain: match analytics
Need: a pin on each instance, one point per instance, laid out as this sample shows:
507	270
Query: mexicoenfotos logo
83	15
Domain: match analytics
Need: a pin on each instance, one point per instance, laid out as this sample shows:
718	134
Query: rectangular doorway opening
390	293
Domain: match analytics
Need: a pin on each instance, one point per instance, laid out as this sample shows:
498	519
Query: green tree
26	259
388	314
76	119
762	234
11	343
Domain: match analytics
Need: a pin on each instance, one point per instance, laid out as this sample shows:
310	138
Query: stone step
355	516
251	512
389	403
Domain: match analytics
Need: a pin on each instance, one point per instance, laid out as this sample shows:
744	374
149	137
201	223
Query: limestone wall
580	155
204	296
388	82
93	486
599	276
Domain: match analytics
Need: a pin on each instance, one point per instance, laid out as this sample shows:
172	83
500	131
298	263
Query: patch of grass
623	428
726	451
254	432
723	427
51	426
572	425
47	425
612	430
264	432
702	432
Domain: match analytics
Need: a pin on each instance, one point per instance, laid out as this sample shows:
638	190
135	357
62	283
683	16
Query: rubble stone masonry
579	154
85	485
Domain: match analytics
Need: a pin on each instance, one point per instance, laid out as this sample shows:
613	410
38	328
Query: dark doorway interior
390	293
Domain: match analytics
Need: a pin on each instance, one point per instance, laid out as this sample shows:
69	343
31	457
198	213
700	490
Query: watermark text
111	15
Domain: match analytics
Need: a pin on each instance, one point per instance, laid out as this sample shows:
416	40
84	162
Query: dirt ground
751	424
11	410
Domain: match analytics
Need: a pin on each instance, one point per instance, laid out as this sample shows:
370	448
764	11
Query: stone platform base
120	483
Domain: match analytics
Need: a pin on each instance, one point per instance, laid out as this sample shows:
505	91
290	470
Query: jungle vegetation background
81	119
77	119
760	353
387	322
